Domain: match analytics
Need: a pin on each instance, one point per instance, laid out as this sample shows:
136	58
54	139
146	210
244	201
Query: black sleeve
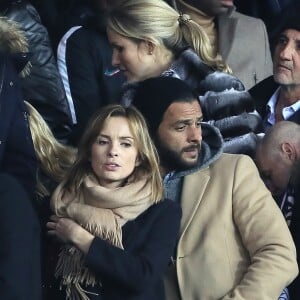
137	268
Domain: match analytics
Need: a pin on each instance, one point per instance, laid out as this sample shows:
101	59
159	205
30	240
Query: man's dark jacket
262	92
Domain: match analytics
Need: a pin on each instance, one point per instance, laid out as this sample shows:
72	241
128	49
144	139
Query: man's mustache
192	147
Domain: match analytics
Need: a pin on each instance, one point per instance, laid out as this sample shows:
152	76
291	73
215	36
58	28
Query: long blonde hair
148	157
157	22
54	157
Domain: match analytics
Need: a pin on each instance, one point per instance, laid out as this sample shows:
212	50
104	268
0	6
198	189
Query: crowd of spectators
142	141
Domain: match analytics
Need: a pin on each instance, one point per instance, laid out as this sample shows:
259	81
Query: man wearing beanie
234	242
241	40
278	97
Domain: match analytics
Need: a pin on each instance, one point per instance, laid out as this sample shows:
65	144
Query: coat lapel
192	192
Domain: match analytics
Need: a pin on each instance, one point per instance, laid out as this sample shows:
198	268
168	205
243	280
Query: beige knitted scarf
102	212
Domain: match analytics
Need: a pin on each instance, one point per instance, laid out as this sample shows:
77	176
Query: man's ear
289	150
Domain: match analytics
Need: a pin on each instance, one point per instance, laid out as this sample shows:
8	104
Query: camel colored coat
234	242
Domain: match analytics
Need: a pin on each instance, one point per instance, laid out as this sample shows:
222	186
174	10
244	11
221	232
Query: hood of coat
14	42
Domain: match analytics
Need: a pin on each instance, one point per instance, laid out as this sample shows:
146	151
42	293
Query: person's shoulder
249	22
229	157
246	18
267	82
263	90
86	35
167	204
229	161
164	209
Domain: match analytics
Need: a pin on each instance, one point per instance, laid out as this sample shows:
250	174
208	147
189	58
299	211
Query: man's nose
195	134
286	52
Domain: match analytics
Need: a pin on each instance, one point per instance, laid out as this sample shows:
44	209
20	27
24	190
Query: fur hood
14	42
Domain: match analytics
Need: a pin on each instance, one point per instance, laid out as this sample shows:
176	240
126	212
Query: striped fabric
287	205
285	295
62	67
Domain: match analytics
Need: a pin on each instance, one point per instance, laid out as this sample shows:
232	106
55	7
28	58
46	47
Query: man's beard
172	160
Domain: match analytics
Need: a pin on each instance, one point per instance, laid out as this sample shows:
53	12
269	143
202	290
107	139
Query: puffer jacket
223	99
43	87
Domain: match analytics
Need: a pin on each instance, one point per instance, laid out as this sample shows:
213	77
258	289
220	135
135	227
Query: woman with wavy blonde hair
119	233
150	39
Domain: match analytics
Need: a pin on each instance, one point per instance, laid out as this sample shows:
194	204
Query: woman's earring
137	162
150	48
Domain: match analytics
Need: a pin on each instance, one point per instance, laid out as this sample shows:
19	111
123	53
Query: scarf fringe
102	212
70	266
76	292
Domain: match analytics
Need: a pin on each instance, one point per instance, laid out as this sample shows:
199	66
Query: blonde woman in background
149	39
54	158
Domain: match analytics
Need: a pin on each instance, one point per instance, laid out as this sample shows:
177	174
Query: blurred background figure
20	269
17	155
84	60
141	50
271	12
54	161
20	265
242	41
43	86
278	97
278	160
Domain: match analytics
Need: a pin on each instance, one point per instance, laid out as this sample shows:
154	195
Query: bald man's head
277	153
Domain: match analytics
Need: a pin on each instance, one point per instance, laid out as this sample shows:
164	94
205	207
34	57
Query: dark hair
153	96
289	20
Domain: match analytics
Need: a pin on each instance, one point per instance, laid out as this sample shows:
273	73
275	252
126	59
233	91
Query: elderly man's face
286	61
211	7
179	136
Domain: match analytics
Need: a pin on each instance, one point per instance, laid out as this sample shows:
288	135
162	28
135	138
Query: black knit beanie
153	96
290	22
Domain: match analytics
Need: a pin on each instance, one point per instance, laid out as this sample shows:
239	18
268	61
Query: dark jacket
43	88
294	287
20	243
84	54
136	272
17	155
262	92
